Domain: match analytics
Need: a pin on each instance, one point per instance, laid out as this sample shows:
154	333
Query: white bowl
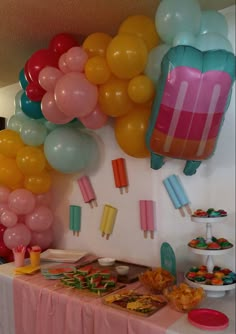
106	261
122	270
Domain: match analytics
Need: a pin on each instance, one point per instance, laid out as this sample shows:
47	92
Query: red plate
208	319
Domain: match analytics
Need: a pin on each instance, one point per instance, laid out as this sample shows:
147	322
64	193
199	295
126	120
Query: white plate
61	255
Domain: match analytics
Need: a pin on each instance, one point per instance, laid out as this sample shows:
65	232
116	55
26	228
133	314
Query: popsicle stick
145	234
181	210
152	234
188	209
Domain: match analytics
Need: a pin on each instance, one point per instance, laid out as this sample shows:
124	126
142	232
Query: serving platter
61	255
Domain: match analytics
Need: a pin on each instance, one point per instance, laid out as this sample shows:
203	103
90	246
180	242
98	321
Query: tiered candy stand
211	290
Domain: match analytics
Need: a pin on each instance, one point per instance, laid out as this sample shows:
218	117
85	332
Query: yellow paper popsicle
110	221
104	219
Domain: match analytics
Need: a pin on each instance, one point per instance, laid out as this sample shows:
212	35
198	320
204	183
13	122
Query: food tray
61	255
133	296
134	270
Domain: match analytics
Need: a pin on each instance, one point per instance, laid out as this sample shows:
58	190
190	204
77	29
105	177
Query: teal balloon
16	122
153	66
69	150
213	41
22	79
175	16
184	38
30	108
33	132
17	101
213	21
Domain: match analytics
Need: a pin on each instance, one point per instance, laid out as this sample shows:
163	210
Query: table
33	305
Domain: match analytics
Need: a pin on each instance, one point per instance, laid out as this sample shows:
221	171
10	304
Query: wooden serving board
134	270
123	308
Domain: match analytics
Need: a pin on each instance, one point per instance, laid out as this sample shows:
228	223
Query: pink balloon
42	239
44	199
51	111
95	120
16	236
3	207
76	59
48	77
40	219
62	64
8	218
21	201
4	193
75	95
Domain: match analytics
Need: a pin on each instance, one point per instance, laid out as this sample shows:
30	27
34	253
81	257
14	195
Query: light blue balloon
70	151
17	101
184	38
16	122
213	21
33	132
213	41
175	16
153	66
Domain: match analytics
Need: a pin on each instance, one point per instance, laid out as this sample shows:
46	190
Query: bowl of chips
184	298
157	279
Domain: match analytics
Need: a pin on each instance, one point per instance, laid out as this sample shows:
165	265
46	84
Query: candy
146	209
120	175
87	191
177	194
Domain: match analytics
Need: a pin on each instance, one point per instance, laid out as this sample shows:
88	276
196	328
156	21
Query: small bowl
122	270
106	261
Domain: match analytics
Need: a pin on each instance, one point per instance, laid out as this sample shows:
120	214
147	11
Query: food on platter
219	276
157	279
135	302
214	244
209	213
91	279
184	298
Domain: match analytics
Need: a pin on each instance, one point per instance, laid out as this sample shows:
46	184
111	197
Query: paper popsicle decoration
120	175
75	219
87	191
177	194
146	209
108	220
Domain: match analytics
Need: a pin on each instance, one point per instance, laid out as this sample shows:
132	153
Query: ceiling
28	25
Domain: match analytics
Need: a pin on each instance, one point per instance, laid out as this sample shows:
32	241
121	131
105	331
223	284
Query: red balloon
39	60
34	91
61	43
4	251
10	257
26	72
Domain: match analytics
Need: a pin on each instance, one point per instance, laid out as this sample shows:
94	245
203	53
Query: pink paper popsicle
87	191
143	222
150	217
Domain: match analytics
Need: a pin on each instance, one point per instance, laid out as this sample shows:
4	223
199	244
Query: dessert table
33	304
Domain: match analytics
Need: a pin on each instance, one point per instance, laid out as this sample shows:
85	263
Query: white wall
212	186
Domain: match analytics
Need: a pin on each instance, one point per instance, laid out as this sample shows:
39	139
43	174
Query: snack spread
219	276
157	279
215	244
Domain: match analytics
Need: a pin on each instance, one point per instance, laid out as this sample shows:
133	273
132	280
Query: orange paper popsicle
120	175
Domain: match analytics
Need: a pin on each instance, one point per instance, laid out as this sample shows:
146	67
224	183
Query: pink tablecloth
44	307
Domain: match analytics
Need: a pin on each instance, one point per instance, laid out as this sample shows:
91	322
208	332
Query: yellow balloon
96	44
10	175
142	26
30	160
38	184
113	97
127	56
141	89
130	132
10	143
97	70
